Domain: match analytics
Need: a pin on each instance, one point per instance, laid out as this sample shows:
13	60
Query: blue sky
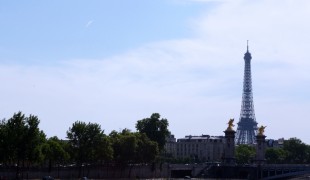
116	62
57	30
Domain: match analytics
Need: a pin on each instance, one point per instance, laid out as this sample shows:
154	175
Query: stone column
260	146
229	147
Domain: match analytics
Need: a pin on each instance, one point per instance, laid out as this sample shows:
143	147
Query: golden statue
230	124
261	130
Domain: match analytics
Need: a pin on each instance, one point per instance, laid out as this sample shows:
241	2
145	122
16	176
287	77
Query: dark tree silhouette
155	128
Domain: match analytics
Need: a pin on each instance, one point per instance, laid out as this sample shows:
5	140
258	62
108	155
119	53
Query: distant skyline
116	62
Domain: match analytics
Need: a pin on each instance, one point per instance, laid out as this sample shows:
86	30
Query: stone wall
92	172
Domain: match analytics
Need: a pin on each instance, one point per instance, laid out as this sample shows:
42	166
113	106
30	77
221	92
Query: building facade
170	146
200	148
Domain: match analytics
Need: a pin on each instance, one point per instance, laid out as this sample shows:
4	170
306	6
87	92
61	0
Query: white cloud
196	83
89	23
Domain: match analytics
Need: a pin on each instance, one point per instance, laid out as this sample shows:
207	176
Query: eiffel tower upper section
247	125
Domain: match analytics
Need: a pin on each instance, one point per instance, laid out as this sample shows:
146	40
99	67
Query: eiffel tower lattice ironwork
247	125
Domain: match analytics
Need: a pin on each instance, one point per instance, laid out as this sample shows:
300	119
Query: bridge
217	170
280	171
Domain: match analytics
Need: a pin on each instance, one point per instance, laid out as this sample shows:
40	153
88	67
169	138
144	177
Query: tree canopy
88	143
155	128
294	151
275	155
20	138
23	143
132	147
244	154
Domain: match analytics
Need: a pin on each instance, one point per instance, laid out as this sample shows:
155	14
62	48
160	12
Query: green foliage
147	150
155	129
294	151
297	151
34	138
3	142
54	150
275	155
133	147
20	139
104	150
88	143
244	154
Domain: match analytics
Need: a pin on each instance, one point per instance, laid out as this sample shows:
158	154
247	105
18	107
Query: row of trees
23	144
294	151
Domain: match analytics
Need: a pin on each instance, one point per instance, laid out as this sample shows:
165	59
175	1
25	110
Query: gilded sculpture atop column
230	124
261	130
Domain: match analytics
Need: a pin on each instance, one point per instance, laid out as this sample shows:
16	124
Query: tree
297	151
244	154
34	138
132	147
3	142
308	154
21	139
15	136
103	151
155	129
88	143
54	152
275	155
124	146
147	150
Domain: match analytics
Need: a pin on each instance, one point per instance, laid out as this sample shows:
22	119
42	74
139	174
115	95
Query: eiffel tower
247	125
